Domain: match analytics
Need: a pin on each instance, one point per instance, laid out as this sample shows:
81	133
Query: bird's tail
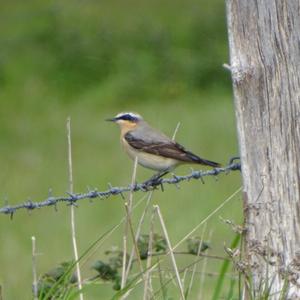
202	161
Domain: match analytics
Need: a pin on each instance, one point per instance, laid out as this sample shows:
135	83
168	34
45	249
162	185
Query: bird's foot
155	180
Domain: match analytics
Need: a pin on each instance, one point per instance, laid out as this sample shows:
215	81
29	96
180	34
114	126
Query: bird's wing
166	148
158	144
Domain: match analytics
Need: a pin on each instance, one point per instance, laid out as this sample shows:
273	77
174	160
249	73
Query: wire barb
73	198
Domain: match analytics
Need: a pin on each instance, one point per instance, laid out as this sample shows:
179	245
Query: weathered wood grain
264	40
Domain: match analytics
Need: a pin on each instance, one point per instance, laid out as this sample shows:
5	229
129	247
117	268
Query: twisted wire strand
72	199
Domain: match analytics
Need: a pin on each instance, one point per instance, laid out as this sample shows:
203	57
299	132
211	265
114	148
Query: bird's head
126	120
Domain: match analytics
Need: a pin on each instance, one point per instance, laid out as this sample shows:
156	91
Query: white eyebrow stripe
137	116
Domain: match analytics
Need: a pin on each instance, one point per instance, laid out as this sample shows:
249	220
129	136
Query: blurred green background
90	60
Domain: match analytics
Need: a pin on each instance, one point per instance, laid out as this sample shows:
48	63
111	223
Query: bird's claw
152	182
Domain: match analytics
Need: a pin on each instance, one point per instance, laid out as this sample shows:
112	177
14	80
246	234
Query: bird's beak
111	120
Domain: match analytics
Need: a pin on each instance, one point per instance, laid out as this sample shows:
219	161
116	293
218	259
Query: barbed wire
72	199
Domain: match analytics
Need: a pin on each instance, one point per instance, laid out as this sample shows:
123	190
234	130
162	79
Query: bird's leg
155	178
159	175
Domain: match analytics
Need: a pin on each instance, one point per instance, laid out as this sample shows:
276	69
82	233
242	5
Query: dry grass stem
170	251
175	131
208	217
73	227
34	272
101	242
202	275
185	272
147	282
188	253
195	265
128	225
123	281
195	228
133	180
138	231
136	249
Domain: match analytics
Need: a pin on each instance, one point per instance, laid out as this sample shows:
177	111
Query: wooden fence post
264	41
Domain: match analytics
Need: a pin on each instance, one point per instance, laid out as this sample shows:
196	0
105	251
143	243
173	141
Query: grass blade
224	269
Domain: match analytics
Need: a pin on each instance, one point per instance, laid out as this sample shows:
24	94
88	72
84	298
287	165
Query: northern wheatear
153	149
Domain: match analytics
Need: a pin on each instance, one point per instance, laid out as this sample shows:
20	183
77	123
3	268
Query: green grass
38	162
90	61
224	271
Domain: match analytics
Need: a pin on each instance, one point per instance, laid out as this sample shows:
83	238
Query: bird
152	148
